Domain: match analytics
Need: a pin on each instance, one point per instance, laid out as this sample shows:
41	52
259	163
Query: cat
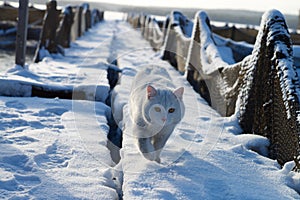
156	107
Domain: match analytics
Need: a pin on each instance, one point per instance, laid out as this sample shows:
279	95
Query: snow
56	149
44	155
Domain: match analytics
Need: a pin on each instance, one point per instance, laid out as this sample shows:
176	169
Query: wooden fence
10	13
259	85
61	27
8	25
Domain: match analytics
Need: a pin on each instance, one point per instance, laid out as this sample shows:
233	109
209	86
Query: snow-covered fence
258	85
56	34
172	37
204	65
60	27
261	89
177	41
269	93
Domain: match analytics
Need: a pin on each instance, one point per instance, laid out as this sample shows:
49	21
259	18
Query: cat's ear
151	91
179	92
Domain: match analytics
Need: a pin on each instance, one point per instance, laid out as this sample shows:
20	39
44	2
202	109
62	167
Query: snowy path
204	158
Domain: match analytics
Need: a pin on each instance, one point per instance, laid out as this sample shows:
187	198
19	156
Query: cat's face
158	114
164	106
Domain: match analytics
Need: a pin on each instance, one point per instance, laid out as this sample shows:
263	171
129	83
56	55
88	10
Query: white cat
156	107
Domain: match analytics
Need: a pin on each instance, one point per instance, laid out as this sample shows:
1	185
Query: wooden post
48	33
87	16
80	21
63	33
22	33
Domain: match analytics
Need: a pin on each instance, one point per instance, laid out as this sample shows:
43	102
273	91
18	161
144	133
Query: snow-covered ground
47	154
56	149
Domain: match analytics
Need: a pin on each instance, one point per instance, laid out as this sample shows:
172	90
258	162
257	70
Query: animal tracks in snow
23	140
52	112
27	180
15	104
55	157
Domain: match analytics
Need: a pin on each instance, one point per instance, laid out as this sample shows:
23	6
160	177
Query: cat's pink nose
164	119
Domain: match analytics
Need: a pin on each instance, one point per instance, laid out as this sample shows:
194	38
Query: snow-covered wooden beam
24	88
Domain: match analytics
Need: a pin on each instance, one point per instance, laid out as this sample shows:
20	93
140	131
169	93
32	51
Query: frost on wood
269	101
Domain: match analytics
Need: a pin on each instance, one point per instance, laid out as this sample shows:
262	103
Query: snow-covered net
269	96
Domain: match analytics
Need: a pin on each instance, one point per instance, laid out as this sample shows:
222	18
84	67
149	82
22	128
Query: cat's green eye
171	110
157	109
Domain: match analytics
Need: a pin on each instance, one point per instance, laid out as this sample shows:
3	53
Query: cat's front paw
157	159
150	156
